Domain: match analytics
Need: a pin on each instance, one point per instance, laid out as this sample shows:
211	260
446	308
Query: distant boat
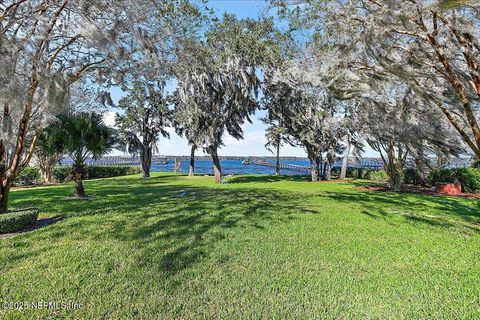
246	161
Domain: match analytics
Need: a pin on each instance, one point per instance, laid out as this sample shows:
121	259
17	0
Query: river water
228	167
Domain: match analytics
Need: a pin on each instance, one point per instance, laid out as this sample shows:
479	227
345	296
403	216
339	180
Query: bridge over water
299	165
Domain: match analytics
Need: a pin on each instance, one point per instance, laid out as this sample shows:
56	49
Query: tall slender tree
305	112
144	118
220	87
275	136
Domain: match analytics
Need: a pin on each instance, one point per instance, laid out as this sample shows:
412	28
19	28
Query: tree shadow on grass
460	214
171	226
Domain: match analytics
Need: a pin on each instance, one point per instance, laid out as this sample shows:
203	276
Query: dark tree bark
277	161
78	174
146	159
217	169
79	191
314	164
4	193
191	171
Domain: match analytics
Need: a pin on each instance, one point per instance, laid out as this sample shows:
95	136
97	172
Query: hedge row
61	174
28	176
410	176
355	173
469	177
17	220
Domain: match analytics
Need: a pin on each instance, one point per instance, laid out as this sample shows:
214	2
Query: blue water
228	167
235	166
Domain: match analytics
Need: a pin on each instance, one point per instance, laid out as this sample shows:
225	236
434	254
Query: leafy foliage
27	176
13	221
145	117
379	176
63	173
82	135
469	177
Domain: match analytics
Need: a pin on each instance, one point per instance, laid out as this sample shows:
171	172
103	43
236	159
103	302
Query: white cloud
109	118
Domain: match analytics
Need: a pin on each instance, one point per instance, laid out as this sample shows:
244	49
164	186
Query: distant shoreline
231	157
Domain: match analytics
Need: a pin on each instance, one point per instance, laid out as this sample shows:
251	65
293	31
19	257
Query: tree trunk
47	175
329	163
146	158
320	164
46	163
393	164
79	191
217	169
343	172
191	171
395	182
277	161
78	174
4	193
314	165
328	170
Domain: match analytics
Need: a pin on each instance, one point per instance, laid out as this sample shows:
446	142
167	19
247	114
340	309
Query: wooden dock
285	166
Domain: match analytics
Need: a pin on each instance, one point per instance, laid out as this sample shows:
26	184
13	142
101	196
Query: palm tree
81	136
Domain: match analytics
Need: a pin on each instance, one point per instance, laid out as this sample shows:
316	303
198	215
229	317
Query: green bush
13	221
62	174
28	176
379	176
355	173
411	176
95	172
469	177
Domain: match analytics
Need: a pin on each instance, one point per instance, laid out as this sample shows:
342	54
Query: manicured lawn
258	247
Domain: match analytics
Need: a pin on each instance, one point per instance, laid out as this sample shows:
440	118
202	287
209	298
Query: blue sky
254	133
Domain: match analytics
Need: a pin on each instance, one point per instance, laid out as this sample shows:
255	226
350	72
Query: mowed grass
258	247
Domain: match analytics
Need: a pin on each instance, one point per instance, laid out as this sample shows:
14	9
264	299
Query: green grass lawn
257	247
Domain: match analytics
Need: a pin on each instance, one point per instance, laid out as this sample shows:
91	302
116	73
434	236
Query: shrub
469	177
95	172
379	176
411	176
13	221
355	173
62	174
28	176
